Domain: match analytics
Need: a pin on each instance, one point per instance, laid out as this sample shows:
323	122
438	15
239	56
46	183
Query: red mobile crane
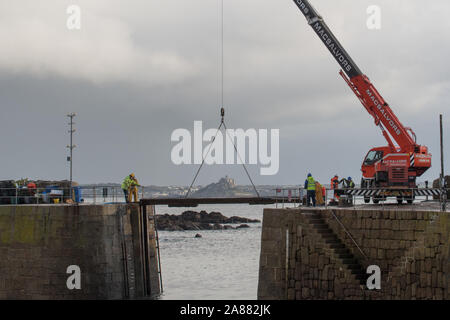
392	167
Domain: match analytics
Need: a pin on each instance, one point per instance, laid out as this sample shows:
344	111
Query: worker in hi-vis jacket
129	187
310	186
334	184
347	183
133	192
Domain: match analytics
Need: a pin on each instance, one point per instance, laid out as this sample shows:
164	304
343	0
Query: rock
235	219
242	226
191	216
217	226
217	217
192	220
204	226
198	235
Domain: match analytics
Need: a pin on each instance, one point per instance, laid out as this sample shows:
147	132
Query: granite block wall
301	259
39	242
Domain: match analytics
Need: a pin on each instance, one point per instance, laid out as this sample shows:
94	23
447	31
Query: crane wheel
366	199
410	199
375	200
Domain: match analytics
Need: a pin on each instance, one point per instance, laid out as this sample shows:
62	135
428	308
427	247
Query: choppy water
223	264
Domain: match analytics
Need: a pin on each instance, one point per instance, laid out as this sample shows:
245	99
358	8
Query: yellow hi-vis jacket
127	183
311	184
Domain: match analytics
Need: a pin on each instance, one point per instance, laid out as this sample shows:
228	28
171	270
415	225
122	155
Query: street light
71	147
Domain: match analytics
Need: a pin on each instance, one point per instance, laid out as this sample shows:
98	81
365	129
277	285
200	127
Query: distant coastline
225	187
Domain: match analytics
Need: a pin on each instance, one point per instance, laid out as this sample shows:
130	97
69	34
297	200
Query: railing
288	196
292	197
349	235
284	197
58	195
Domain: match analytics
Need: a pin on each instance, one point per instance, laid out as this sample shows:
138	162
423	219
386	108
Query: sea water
222	264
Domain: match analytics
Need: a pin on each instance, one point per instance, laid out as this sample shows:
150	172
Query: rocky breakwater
192	220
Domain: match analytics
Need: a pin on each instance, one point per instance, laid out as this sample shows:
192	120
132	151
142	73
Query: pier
324	253
114	246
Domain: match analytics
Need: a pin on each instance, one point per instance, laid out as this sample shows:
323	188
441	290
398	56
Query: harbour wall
113	245
324	254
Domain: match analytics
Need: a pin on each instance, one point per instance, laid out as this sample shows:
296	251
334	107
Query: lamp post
71	147
442	180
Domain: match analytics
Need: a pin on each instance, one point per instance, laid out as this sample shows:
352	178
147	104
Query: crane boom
333	45
360	84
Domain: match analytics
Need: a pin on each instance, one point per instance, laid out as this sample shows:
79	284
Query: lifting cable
203	160
243	164
222	123
220	86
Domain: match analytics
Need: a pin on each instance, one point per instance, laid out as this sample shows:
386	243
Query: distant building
229	181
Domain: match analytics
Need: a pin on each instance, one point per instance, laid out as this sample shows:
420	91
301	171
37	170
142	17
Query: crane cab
383	168
368	166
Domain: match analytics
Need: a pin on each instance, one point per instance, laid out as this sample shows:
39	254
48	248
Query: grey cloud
140	69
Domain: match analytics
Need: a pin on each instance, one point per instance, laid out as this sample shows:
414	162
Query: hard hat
309	175
336	175
349	178
132	175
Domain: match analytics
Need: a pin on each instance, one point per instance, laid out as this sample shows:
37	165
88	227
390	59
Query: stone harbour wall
107	242
324	254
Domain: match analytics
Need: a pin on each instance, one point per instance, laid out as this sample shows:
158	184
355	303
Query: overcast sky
137	70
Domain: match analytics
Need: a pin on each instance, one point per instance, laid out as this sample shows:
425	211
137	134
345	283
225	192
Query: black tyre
366	199
376	200
399	200
410	200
